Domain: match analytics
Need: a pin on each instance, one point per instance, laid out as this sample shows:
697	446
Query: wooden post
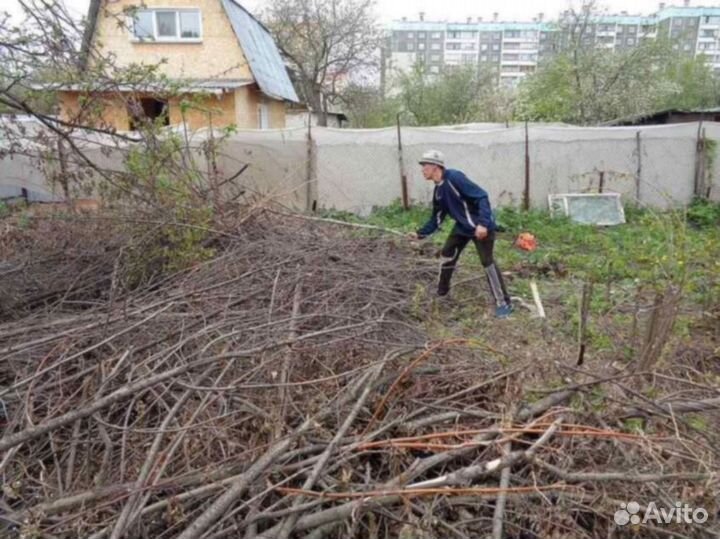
310	203
403	175
526	192
582	331
699	184
638	175
601	185
702	187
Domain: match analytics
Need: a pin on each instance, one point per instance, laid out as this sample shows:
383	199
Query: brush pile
294	385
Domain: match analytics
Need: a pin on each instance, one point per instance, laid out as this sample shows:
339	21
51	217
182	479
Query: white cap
433	157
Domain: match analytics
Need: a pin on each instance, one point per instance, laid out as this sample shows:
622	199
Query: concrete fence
354	170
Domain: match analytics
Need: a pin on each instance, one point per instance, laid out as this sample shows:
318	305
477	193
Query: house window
167	25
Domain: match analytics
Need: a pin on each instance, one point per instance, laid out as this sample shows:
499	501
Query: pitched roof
259	47
261	52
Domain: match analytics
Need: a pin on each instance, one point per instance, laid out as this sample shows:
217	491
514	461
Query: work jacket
467	203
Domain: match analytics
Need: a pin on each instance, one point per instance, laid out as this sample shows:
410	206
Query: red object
526	242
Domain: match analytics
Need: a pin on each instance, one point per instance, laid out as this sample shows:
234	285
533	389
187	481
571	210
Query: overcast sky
451	10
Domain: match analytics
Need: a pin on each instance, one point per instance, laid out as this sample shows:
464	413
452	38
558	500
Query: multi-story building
511	50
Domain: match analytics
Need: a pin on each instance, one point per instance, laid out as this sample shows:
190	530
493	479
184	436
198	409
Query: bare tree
325	41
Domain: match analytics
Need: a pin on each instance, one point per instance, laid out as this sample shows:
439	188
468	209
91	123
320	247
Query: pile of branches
290	387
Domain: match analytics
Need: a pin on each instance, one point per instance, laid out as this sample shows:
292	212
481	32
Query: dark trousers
451	252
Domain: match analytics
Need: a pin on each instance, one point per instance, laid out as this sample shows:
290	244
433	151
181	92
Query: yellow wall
218	56
220	111
247	101
114	110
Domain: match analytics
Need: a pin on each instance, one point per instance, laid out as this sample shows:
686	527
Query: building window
435	46
630	41
483	47
410	35
421	35
495	47
434	69
436	35
410	46
421	46
483	58
167	25
434	57
452	46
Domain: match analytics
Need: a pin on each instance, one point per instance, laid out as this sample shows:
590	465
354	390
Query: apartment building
512	50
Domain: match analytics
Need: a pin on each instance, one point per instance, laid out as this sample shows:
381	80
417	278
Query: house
218	56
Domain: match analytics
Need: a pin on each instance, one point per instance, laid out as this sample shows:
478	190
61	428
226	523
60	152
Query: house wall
219	55
247	101
221	107
114	110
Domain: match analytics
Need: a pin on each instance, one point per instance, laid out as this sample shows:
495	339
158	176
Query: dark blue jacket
467	203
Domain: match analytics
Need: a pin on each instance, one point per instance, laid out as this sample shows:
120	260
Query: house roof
259	47
630	120
261	52
215	86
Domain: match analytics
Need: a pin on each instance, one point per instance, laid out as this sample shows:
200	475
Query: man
469	205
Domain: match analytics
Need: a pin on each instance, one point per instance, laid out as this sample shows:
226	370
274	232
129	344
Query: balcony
510	50
519	62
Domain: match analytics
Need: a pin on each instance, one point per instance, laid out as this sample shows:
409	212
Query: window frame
167	39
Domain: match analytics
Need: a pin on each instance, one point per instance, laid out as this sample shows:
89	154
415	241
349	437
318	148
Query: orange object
526	242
